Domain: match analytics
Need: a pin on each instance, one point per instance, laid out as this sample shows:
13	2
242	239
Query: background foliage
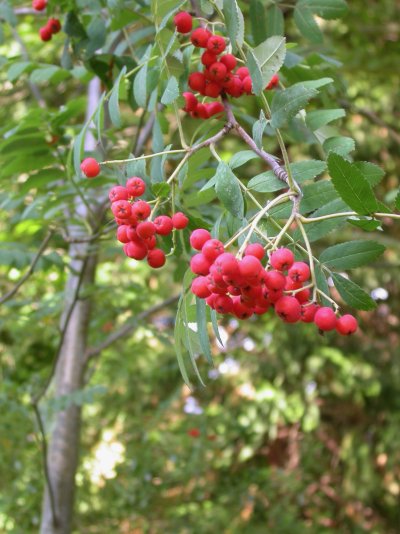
295	432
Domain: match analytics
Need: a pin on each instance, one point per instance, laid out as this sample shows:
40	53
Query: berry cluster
52	26
135	230
243	287
219	75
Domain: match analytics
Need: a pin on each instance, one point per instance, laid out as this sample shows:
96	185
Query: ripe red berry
255	249
156	258
223	304
273	82
122	234
215	108
227	264
217	71
194	432
299	271
135	186
118	193
54	25
150	242
179	220
288	309
201	112
235	87
200	265
212	89
183	22
275	280
191	101
216	44
146	229
199	237
325	319
249	267
212	249
121	209
291	284
229	61
90	168
346	325
135	250
39	5
163	224
303	296
240	310
141	210
247	85
308	312
197	82
243	72
208	58
200	37
282	259
200	287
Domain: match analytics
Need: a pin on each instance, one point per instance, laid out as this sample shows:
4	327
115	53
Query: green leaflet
352	294
351	255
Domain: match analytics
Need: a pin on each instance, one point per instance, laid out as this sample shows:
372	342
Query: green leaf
171	92
201	316
214	323
351	185
140	82
319	118
240	158
51	72
367	225
352	294
307	25
321	229
397	201
302	170
286	104
265	60
275	21
257	20
351	255
316	84
340	144
17	69
178	334
317	195
370	171
161	189
327	9
113	106
228	190
258	129
234	23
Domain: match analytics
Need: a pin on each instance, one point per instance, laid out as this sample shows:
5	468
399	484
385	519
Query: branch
129	327
29	272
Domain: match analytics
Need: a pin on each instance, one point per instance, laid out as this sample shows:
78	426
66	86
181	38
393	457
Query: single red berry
191	101
118	193
200	265
273	82
215	108
150	242
197	82
216	44
308	312
229	61
122	233
255	249
183	22
54	25
90	168
303	296
282	259
223	304
249	267
45	33
240	310
235	88
229	81
325	319
132	235
201	111
213	89
275	280
200	287
146	229
194	432
136	186
212	249
291	284
217	71
208	58
39	5
156	258
288	309
346	325
121	209
179	220
227	264
273	295
260	310
248	85
135	250
299	271
199	237
141	210
210	300
200	37
242	72
163	224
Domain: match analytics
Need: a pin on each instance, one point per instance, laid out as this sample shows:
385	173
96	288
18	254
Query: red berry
208	58
39	5
122	234
308	312
291	285
197	82
146	229
140	209
191	102
216	44
303	296
243	72
54	25
227	264
156	258
248	85
288	309
235	88
199	237
179	220
200	37
118	193
163	224
135	250
273	82
215	108
223	304
200	265
45	33
183	22
250	267
136	186
213	89
201	112
212	249
121	209
325	319
275	280
240	310
229	61
282	259
217	71
150	242
90	168
255	249
346	325
299	271
194	432
200	287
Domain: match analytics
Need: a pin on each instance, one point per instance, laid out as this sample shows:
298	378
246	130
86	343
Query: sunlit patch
380	293
108	454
